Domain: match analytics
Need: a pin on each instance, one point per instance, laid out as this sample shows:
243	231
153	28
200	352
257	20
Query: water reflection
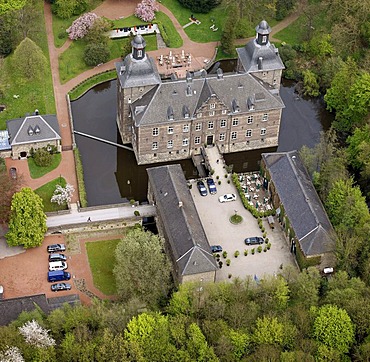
112	174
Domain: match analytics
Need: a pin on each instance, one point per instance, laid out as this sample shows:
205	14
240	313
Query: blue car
216	249
202	189
211	186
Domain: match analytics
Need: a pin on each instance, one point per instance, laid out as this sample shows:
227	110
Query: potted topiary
224	254
229	276
245	252
253	251
236	254
259	249
228	262
268	246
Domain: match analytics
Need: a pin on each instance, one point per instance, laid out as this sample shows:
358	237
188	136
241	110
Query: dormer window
37	130
235	106
188	91
170	114
30	131
250	103
212	106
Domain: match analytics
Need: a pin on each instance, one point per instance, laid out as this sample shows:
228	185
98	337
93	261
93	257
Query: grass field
101	256
33	93
37	172
46	192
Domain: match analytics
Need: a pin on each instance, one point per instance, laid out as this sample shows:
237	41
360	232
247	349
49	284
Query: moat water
112	175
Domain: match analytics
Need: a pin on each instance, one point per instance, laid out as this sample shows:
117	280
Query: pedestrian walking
217	161
89	219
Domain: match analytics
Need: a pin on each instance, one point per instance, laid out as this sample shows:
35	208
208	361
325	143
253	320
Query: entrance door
23	154
209	140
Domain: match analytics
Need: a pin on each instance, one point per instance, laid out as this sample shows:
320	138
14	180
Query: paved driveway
215	219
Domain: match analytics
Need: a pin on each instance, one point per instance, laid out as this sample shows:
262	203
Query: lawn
71	62
101	256
37	171
83	87
46	192
33	94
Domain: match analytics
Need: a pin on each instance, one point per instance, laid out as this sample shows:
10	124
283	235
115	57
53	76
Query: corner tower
136	75
260	58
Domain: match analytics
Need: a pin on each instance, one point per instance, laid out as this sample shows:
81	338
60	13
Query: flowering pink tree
145	10
80	27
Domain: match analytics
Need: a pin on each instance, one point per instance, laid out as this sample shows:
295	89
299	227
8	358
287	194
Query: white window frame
211	124
224	111
250	120
263	131
223	123
197	140
234	135
170	130
185	128
211	113
170	144
199	115
222	137
248	133
212	106
185	142
155	145
155	131
265	117
198	126
235	122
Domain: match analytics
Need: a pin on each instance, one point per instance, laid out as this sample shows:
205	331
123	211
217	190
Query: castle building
172	119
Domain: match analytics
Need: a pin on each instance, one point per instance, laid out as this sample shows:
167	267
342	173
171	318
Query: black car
216	249
13	172
211	186
255	240
202	189
55	248
57	257
60	286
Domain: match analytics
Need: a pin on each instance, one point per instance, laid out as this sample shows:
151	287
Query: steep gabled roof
301	203
32	129
183	228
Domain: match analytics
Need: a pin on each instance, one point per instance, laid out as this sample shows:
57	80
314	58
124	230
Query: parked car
216	249
60	286
57	265
211	186
255	240
54	248
202	189
13	172
57	257
227	197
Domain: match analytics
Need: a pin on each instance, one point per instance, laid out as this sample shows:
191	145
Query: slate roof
229	88
251	52
302	205
137	73
10	309
44	128
182	224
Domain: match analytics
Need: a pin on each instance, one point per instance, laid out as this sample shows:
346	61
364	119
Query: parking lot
220	231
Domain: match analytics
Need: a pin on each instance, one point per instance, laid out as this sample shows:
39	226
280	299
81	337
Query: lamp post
129	184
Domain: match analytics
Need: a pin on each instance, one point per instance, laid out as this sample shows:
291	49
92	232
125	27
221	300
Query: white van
57	265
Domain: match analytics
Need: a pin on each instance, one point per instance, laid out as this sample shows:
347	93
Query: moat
112	175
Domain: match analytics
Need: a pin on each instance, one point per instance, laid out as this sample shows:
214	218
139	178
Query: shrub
220	263
228	262
237	253
229	276
80	178
264	234
268	246
217	177
136	213
228	181
212	171
96	53
224	254
245	252
263	229
62	34
267	240
219	182
259	249
253	251
265	249
81	26
42	157
225	175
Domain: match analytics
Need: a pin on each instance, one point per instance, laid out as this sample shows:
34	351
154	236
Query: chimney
180	203
260	63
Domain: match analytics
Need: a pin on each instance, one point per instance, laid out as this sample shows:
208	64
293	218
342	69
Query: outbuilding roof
301	202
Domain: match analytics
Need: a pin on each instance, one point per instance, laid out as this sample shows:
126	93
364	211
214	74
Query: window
155	146
264	39
212	106
185	142
250	119
170	130
170	144
140	53
211	113
185	128
210	125
199	115
233	135
263	131
155	131
224	111
223	123
197	140
222	137
235	121
265	117
248	133
198	126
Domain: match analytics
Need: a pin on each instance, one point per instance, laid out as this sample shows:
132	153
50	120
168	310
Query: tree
96	53
11	354
146	10
64	9
35	335
97	32
42	157
11	5
29	60
268	331
7	34
333	328
27	225
63	195
81	26
142	269
228	33
310	85
200	6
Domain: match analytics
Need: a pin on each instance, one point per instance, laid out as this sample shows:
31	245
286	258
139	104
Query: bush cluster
42	157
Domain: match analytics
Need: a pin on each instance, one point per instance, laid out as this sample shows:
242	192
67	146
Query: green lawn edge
101	256
46	191
37	171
